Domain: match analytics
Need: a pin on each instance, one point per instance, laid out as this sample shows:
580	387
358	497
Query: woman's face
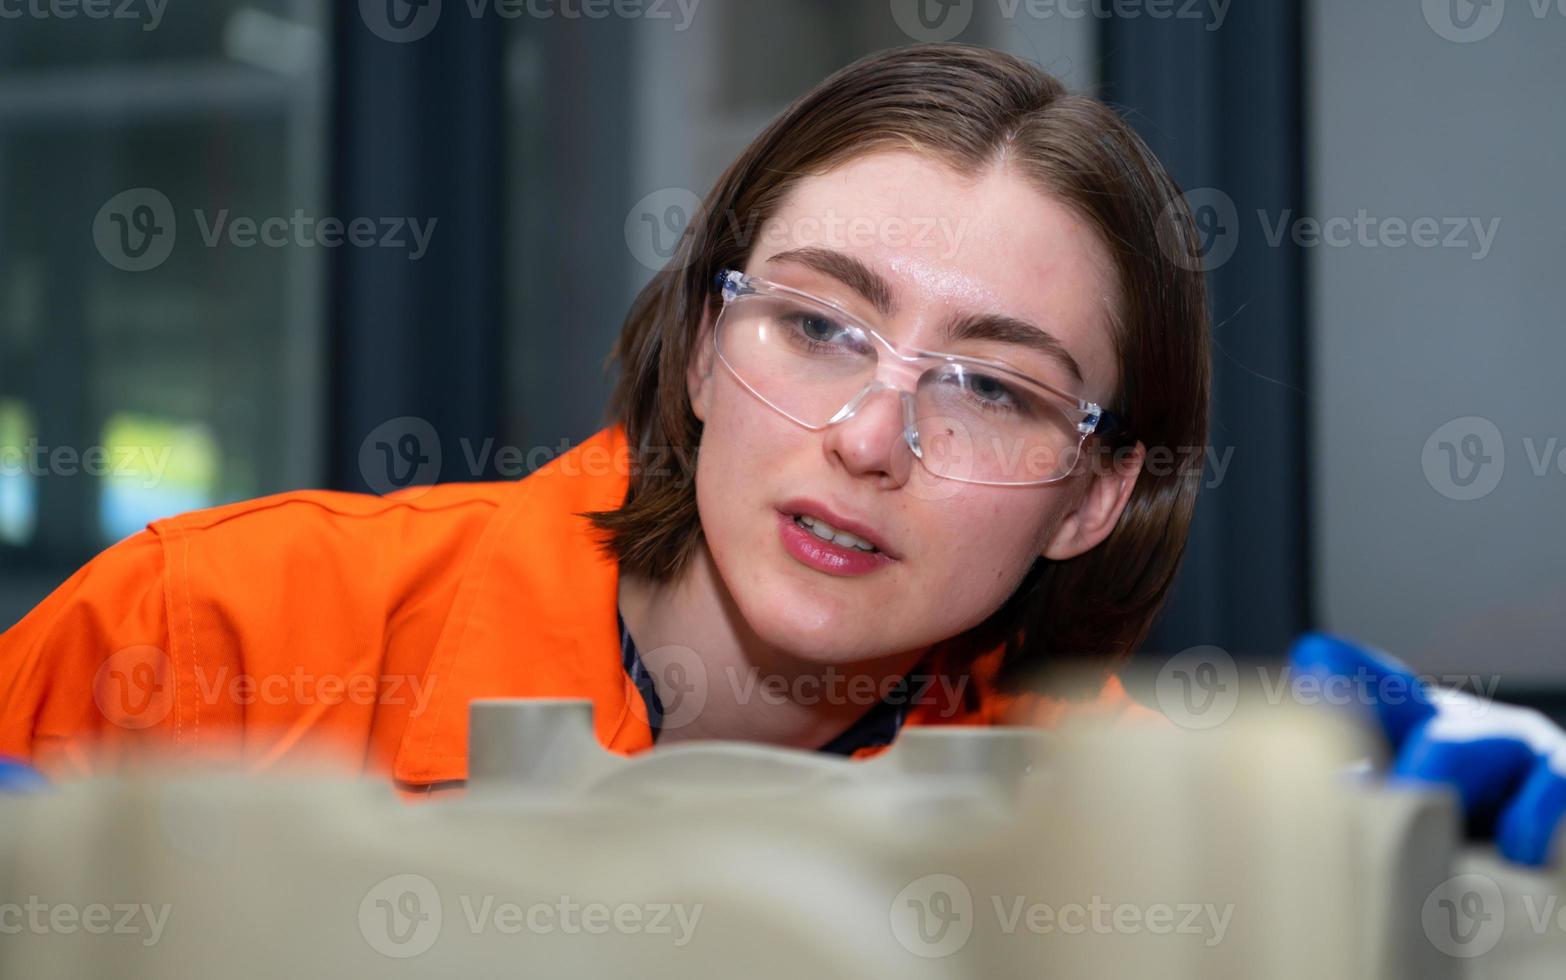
941	246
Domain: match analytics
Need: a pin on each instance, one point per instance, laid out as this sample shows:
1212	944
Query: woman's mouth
827	532
813	542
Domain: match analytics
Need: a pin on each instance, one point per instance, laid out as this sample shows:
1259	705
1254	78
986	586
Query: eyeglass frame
1096	421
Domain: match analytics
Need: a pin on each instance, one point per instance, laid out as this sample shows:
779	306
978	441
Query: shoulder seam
185	522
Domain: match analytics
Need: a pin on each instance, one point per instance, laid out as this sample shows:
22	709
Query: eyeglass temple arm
1110	426
731	283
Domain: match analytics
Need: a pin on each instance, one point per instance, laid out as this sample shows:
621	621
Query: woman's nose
870	440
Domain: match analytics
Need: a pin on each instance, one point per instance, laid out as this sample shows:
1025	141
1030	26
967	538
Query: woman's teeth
827	532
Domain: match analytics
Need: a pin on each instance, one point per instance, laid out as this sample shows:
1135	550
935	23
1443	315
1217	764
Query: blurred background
249	246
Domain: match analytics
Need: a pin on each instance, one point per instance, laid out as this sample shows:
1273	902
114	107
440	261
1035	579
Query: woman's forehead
945	242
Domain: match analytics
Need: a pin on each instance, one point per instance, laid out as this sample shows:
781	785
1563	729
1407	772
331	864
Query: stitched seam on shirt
170	600
190	627
488	545
515	504
286	500
181	534
619	722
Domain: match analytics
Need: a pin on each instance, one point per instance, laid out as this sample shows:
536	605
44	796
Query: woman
875	457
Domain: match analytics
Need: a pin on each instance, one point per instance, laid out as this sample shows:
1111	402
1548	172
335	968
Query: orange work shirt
359	627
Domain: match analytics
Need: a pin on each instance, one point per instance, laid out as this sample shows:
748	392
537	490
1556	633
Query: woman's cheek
742	436
992	544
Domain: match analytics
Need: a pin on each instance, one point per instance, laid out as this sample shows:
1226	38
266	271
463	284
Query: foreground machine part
1238	852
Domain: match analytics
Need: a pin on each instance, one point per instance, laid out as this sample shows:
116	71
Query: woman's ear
1098	505
698	372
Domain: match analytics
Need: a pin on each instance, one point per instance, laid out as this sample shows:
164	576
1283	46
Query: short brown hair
963	106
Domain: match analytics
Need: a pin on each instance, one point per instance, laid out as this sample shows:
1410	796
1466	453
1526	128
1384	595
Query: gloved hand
16	777
1507	764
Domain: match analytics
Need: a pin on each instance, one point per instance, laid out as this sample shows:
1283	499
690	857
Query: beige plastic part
543	746
1520	932
532	747
1407	843
1238	852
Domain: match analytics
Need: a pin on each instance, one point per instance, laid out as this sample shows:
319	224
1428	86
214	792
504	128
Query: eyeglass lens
972	424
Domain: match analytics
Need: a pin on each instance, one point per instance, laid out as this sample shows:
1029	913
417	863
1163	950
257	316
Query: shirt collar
533	616
874	729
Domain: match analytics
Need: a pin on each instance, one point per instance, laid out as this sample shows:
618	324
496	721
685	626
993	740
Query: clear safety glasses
964	418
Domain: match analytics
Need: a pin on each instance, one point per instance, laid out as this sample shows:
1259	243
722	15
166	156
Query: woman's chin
808	632
805	615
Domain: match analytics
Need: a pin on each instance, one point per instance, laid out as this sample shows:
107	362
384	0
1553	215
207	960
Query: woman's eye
821	335
990	390
817	328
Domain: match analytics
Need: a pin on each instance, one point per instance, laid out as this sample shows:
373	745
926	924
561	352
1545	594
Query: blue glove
1507	764
18	778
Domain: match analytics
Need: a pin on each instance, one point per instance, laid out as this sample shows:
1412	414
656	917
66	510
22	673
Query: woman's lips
841	519
827	556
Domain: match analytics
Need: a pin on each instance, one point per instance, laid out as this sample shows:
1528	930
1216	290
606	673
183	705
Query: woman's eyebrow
994	328
1009	330
847	270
